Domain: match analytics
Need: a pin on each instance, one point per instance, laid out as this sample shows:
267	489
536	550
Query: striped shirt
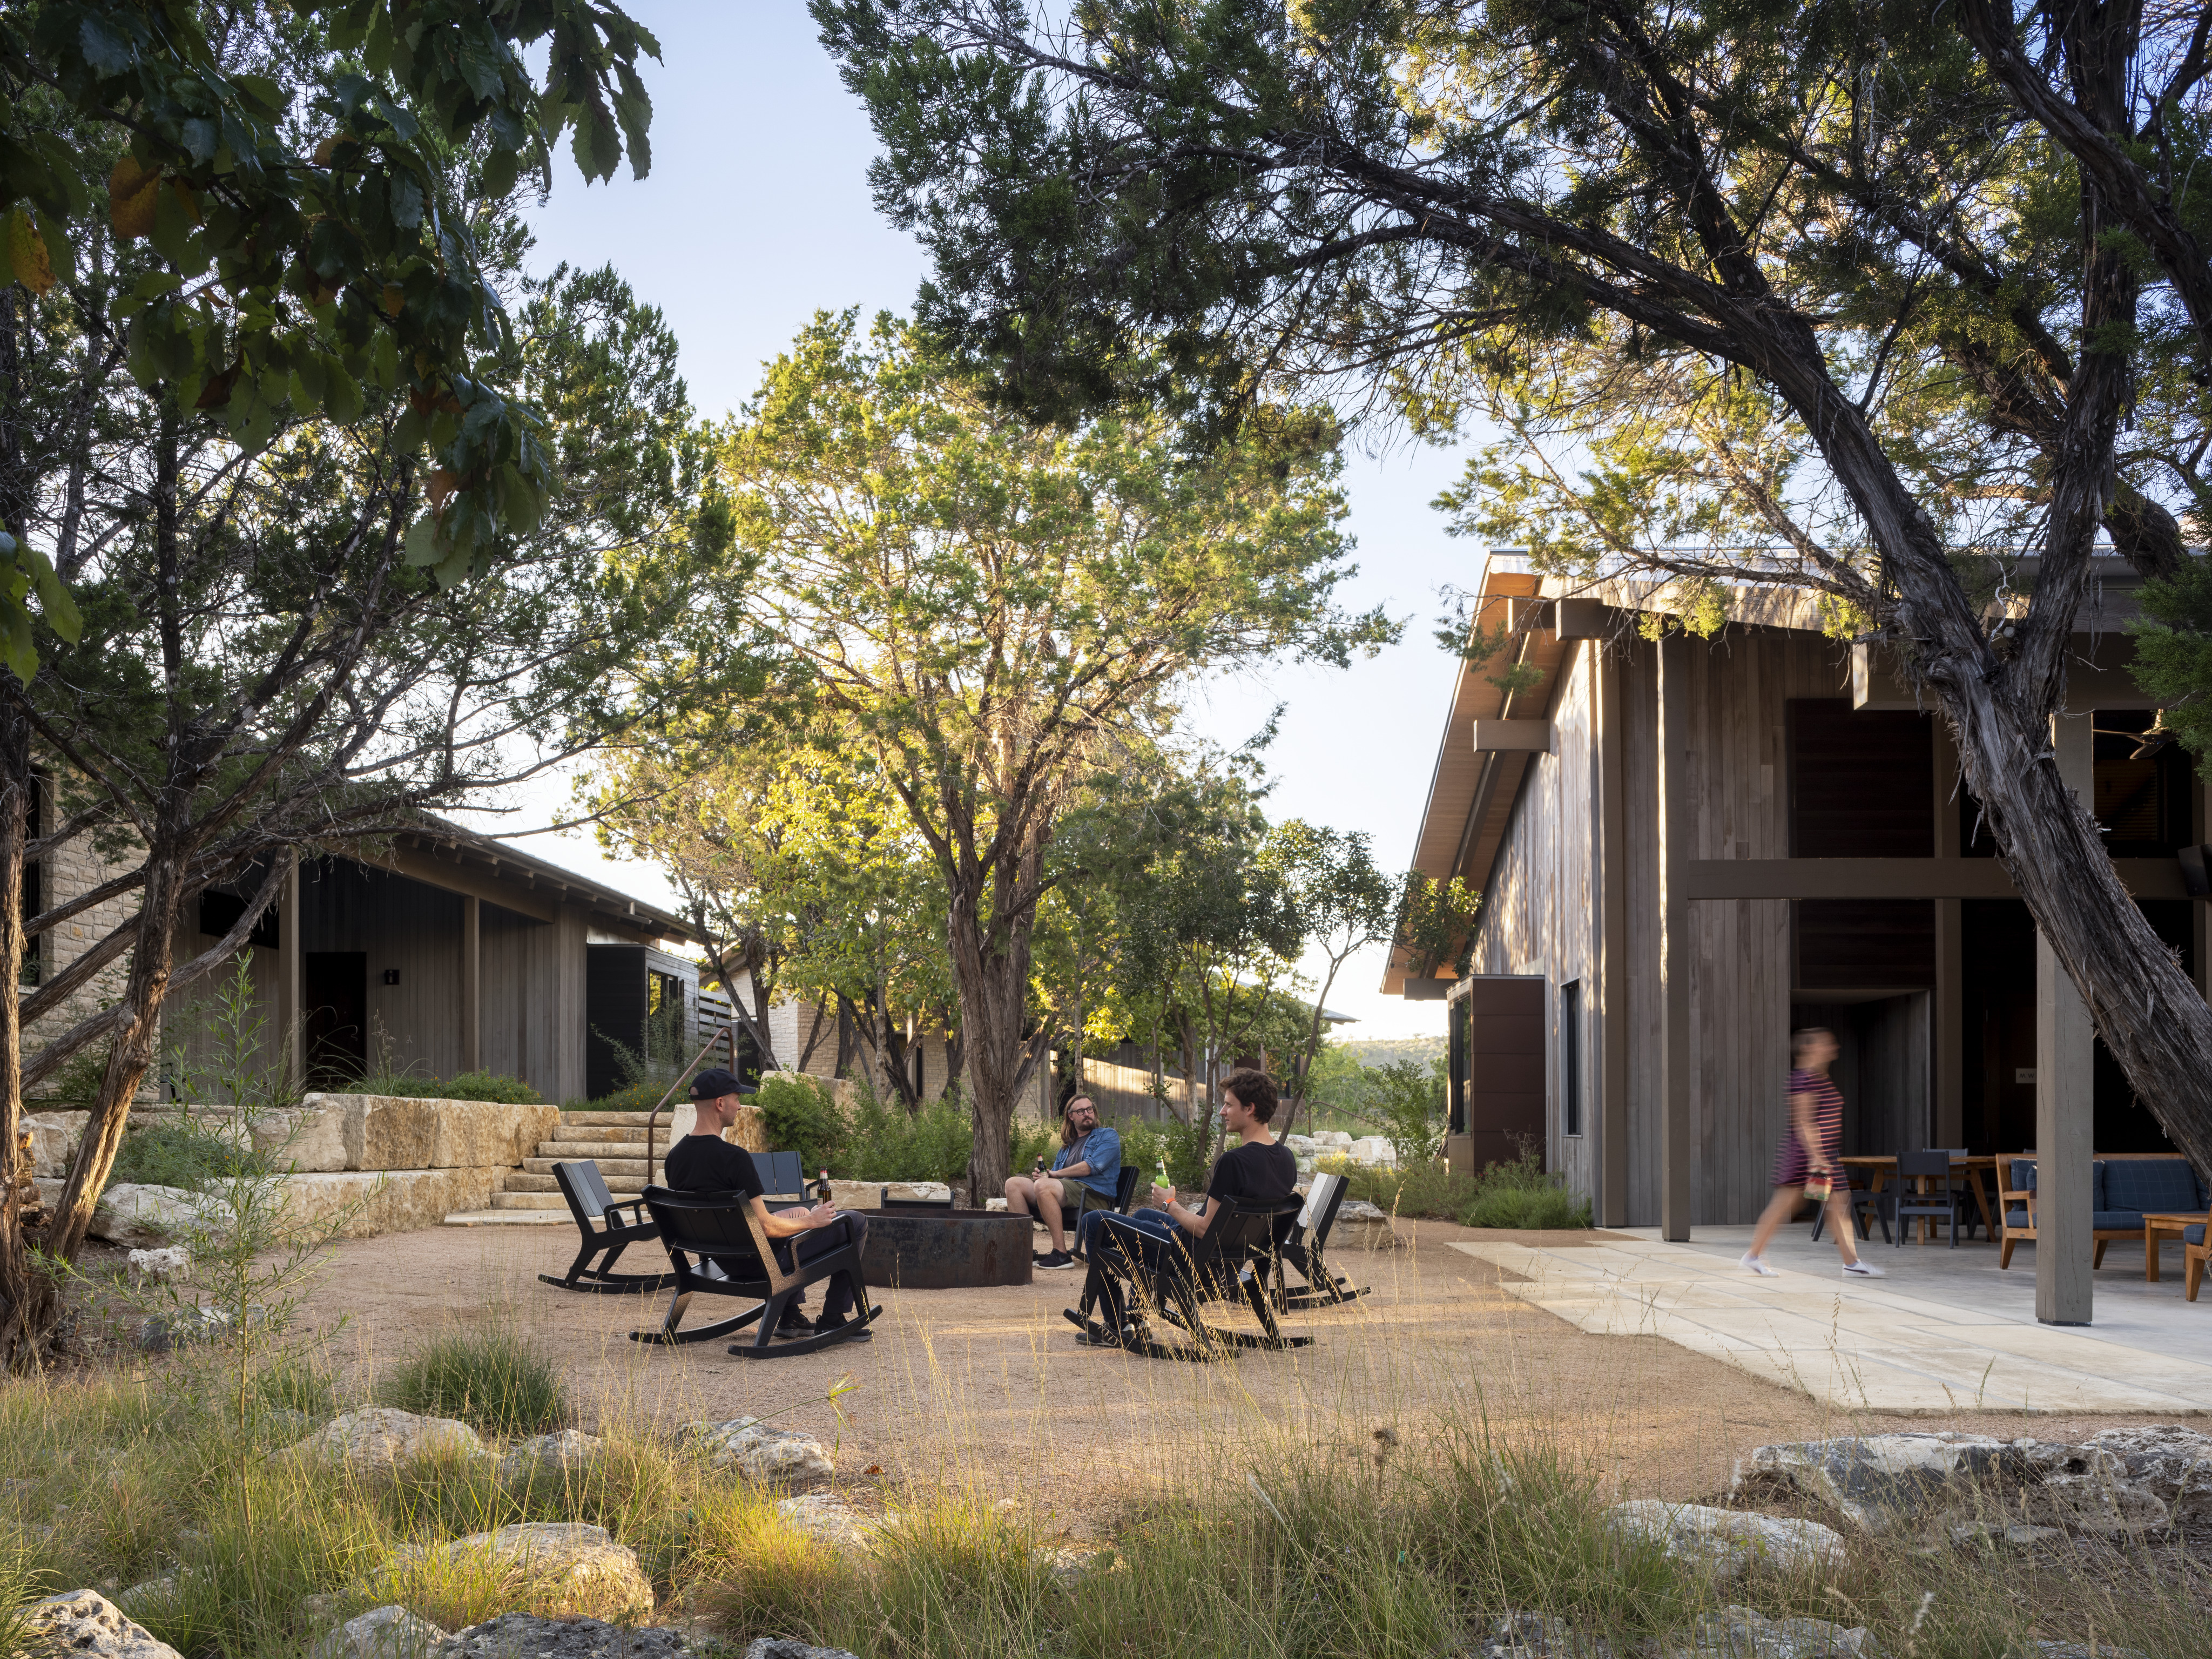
1792	1166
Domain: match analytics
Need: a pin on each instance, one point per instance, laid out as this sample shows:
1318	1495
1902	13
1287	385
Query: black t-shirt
1254	1171
706	1163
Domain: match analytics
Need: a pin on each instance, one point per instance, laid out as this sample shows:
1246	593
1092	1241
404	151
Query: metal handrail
652	1122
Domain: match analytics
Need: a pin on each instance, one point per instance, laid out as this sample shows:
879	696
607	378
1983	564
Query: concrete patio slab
1945	1331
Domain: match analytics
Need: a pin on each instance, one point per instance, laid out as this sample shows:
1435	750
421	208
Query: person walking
1808	1156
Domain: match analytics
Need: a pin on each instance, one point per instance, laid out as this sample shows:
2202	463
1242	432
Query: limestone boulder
309	1138
54	1136
151	1218
768	1456
1373	1149
162	1266
2164	1460
568	1453
1885	1480
1728	1542
365	1204
1361	1226
528	1636
391	1132
85	1622
381	1438
561	1568
1745	1633
830	1518
388	1633
866	1194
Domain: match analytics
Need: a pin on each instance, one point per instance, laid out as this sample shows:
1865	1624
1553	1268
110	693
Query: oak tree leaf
131	197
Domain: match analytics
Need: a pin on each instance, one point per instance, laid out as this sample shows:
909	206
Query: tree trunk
991	970
25	1293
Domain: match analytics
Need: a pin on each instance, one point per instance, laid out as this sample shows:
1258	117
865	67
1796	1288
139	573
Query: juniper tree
1874	299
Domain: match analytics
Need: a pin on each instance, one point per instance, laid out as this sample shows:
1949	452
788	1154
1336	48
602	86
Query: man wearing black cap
703	1162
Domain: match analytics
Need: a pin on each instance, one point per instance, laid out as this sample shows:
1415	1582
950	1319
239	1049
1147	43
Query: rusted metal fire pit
933	1249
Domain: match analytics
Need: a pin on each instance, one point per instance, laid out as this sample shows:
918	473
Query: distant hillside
1383	1051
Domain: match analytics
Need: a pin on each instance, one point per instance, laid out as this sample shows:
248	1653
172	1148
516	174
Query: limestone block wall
77	866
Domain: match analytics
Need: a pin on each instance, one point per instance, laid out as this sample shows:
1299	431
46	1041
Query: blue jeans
1142	1246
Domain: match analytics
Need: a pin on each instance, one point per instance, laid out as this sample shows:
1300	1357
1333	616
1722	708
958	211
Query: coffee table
2158	1225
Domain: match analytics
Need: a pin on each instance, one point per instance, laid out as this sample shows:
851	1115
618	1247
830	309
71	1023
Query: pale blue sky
757	212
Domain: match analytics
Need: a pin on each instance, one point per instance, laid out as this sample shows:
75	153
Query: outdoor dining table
1883	1169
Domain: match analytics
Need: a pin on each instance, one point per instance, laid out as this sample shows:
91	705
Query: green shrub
799	1115
466	1085
886	1142
1408	1105
1524	1207
492	1379
635	1098
1431	1190
181	1154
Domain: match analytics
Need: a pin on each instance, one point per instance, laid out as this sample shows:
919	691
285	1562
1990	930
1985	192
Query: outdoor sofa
2124	1190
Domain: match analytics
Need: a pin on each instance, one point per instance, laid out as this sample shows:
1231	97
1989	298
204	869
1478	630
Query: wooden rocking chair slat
716	1247
606	1233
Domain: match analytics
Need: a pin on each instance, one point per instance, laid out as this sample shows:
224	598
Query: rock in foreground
787	1647
86	1622
383	1437
569	1452
391	1632
525	1635
560	1567
1728	1542
2122	1480
773	1457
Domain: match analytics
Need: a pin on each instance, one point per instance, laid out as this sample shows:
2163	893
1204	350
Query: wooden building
1687	847
447	951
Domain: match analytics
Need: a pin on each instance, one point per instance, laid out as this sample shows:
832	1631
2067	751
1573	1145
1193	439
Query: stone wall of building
74	868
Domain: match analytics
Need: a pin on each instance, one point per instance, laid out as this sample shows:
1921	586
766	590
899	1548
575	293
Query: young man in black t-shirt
703	1162
1256	1168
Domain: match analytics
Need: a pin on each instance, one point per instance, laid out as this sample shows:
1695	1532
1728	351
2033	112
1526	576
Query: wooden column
2065	1094
471	982
1678	1139
1947	1043
291	1031
1611	880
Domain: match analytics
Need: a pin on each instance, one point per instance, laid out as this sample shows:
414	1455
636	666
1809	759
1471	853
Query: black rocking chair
1211	1271
600	1218
719	1228
1301	1240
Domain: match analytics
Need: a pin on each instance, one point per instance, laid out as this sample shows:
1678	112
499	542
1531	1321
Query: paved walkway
1946	1332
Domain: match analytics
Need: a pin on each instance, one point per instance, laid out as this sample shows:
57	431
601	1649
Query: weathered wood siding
1540	911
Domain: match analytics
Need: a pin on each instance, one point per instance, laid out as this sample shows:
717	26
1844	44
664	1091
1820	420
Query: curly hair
1254	1091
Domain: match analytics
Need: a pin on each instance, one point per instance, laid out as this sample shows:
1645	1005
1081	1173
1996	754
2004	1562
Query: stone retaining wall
405	1162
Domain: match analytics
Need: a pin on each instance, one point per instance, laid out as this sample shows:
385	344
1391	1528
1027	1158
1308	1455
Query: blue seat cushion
2150	1183
2023	1179
2193	1234
2116	1221
2015	1218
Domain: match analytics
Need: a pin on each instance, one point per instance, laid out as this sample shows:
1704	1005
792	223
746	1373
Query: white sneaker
1757	1264
1862	1270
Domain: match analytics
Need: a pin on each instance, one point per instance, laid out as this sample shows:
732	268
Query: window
666	1033
1570	1057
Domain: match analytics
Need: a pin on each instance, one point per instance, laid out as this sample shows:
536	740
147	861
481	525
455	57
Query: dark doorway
1506	1045
334	991
1997	953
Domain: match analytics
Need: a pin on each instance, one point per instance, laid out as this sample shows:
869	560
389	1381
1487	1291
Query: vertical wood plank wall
1540	912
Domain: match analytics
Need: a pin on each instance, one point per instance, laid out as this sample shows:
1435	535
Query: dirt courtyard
988	1388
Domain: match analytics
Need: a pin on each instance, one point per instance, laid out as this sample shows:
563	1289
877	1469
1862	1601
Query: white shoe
1757	1264
1862	1270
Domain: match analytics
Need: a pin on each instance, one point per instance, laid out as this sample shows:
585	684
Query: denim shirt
1102	1150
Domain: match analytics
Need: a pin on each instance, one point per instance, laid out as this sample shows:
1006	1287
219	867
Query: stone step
603	1133
616	1120
545	1183
529	1201
602	1150
609	1167
507	1218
